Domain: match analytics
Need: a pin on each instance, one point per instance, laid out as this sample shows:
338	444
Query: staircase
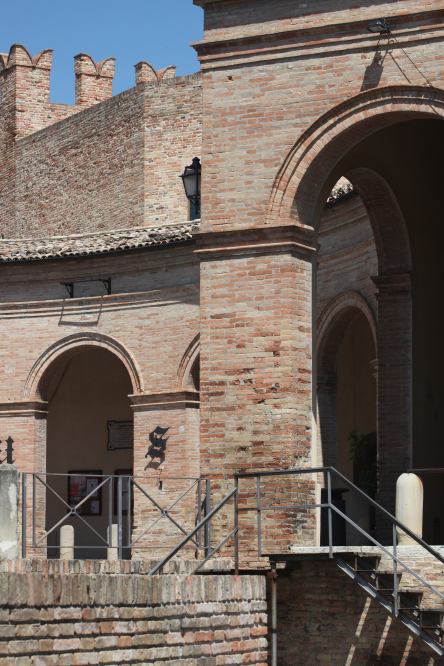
411	605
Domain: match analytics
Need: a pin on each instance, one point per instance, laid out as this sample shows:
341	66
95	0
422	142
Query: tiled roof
342	187
78	245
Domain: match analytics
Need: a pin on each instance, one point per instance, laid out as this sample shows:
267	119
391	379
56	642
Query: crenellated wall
115	165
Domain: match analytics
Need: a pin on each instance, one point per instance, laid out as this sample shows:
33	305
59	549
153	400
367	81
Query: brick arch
186	364
42	372
388	225
333	324
303	177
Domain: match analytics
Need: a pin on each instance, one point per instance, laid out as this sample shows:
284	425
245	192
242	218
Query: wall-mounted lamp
191	182
379	26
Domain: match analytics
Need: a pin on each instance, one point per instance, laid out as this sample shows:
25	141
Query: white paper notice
90	485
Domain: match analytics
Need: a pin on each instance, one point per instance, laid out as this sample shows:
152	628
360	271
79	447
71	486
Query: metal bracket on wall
70	285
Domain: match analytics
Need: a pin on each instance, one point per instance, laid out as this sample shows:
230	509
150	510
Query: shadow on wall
323	616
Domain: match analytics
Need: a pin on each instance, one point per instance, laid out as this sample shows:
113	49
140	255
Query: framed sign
80	485
126	490
120	435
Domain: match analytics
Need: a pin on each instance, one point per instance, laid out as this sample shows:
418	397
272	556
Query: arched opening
395	170
356	398
88	405
193	379
387	143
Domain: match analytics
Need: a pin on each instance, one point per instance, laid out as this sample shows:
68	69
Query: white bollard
9	498
409	507
112	552
67	542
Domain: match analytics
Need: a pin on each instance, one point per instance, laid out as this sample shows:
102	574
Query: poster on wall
80	485
120	435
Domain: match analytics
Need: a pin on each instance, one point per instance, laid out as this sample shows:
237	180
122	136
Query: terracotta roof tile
77	245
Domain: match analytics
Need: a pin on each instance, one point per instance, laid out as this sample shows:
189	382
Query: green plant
368	472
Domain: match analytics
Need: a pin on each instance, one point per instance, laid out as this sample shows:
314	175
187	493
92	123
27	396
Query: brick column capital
293	238
18	408
393	286
143	402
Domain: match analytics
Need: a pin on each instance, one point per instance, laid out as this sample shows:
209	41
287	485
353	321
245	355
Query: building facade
305	304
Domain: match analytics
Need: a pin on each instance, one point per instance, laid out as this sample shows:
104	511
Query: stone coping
119	567
409	551
76	245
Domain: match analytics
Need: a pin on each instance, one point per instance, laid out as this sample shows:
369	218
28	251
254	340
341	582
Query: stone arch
333	323
306	177
41	374
186	364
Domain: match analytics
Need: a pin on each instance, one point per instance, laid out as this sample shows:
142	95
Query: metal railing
126	540
199	537
331	471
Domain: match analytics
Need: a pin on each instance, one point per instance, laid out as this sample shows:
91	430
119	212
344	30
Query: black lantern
378	26
191	182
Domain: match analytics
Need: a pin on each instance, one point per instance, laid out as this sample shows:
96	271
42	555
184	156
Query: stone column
394	370
166	477
256	363
9	512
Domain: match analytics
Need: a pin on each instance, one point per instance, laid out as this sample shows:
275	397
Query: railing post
330	526
33	511
259	523
119	518
110	512
24	514
395	572
273	614
199	511
208	524
236	527
128	513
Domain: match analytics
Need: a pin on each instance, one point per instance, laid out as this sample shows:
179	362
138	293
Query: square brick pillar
256	369
164	479
394	383
25	422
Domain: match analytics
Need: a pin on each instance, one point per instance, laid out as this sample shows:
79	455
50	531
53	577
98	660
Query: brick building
304	304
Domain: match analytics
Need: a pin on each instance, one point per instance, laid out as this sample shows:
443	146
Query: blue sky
130	31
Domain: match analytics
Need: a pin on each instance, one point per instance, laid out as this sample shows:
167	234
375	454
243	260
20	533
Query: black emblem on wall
9	450
158	443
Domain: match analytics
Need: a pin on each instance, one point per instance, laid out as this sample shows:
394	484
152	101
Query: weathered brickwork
115	165
289	93
324	617
107	619
153	292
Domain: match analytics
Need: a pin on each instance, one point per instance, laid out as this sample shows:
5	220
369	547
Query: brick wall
149	322
114	164
324	617
108	619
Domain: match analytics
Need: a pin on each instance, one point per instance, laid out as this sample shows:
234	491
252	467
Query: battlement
146	72
25	87
19	55
94	82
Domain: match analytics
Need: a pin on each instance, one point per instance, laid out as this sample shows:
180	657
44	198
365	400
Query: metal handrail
316	470
332	471
194	531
